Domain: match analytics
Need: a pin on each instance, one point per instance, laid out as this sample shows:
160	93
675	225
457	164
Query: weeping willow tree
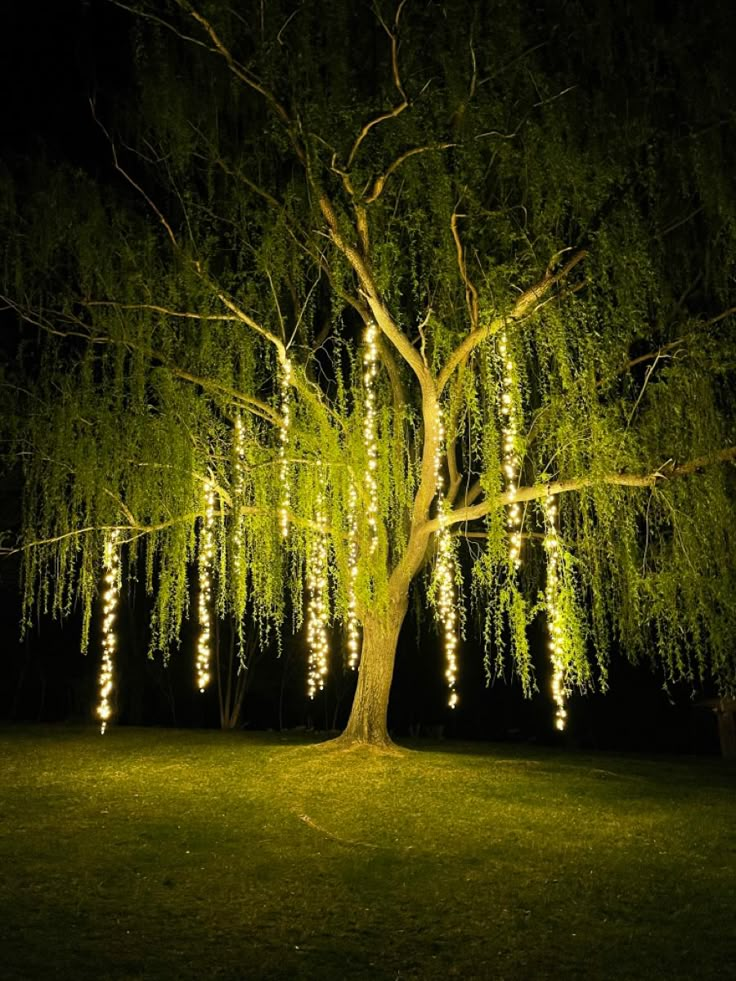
432	297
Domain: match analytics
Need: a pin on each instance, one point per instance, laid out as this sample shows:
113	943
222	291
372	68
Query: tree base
346	743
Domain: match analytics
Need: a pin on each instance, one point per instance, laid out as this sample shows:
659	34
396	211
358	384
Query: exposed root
333	837
350	744
347	842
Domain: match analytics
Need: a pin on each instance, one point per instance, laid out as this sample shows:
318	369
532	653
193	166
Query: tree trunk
368	717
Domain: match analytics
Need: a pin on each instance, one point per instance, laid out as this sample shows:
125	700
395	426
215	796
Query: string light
317	609
110	599
446	607
206	563
285	502
509	432
352	619
554	627
370	370
238	489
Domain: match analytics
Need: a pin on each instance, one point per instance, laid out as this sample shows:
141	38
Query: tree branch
471	293
240	71
370	292
155	308
526	305
671	345
404	104
254	405
134	184
380	182
556	487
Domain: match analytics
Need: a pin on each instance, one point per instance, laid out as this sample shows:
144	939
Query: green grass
153	854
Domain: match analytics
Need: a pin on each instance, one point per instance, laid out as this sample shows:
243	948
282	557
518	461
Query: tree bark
368	716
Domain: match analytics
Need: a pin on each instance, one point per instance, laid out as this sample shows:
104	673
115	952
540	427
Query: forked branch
402	105
527	304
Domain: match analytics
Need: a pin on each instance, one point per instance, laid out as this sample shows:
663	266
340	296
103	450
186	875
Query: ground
154	854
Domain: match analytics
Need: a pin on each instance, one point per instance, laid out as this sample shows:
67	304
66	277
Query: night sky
57	56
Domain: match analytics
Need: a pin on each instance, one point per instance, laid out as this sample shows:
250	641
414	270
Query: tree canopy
376	298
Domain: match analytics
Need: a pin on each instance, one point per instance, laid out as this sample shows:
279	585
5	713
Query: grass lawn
159	854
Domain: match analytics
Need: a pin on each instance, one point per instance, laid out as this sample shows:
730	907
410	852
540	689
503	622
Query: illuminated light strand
556	640
204	606
110	600
284	483
238	489
510	432
352	619
317	609
370	371
444	570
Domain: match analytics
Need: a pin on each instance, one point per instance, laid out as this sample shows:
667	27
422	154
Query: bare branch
721	316
240	71
149	201
388	360
403	104
471	293
391	114
155	308
380	182
671	345
238	175
163	23
553	98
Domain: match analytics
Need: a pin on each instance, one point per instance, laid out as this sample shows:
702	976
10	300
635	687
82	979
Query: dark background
56	57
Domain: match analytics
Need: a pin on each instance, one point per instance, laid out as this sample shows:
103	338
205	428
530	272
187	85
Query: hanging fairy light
317	608
110	600
446	605
204	607
509	432
352	618
284	485
370	371
551	592
238	489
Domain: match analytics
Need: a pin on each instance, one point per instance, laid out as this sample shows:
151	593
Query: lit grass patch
157	854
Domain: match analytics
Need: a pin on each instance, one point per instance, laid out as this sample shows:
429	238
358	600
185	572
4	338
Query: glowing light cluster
204	607
352	620
370	370
238	489
444	574
285	501
110	600
556	648
510	431
318	608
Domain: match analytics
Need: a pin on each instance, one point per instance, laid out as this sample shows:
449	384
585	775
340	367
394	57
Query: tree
385	299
